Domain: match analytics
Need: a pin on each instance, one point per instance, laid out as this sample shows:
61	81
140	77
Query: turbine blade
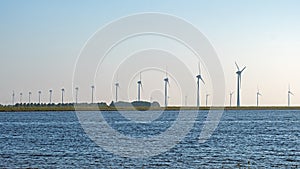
140	76
199	69
237	66
243	69
166	71
202	80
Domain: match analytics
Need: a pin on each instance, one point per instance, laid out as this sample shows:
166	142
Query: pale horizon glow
40	42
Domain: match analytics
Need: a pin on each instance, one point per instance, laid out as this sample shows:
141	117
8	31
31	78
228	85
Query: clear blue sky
40	41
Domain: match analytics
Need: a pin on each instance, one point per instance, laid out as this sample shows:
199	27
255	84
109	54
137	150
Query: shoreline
108	108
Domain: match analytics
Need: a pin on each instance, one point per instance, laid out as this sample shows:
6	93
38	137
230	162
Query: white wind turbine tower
40	92
166	79
62	95
206	99
76	94
140	85
185	100
199	77
239	83
117	85
231	93
92	87
29	97
13	98
50	96
257	97
289	96
21	94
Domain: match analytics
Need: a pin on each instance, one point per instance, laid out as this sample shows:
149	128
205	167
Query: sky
41	41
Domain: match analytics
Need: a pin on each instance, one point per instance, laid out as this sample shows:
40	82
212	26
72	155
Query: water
265	139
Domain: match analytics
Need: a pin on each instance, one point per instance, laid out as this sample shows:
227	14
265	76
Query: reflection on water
56	139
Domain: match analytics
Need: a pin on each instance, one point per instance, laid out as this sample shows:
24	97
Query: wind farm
150	84
51	106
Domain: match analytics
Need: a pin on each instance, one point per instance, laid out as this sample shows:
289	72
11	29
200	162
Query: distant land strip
124	106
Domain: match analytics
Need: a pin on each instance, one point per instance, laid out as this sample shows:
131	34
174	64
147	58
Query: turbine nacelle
199	77
289	91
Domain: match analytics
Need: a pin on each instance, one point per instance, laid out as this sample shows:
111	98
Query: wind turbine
13	98
207	95
50	96
40	97
257	97
140	85
76	95
21	94
117	87
29	97
92	87
231	93
166	79
62	95
239	83
199	77
289	96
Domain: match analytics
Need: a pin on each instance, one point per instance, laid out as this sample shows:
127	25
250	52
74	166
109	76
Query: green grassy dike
104	107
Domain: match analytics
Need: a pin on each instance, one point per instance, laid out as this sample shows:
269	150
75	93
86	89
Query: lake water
259	139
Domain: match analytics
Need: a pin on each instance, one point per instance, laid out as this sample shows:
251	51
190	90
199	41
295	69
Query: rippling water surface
259	139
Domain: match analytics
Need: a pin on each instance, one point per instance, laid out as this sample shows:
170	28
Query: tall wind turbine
185	100
92	87
21	94
199	77
76	94
62	95
257	97
13	98
117	87
29	97
206	99
239	83
289	96
166	79
231	93
50	96
40	92
140	85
